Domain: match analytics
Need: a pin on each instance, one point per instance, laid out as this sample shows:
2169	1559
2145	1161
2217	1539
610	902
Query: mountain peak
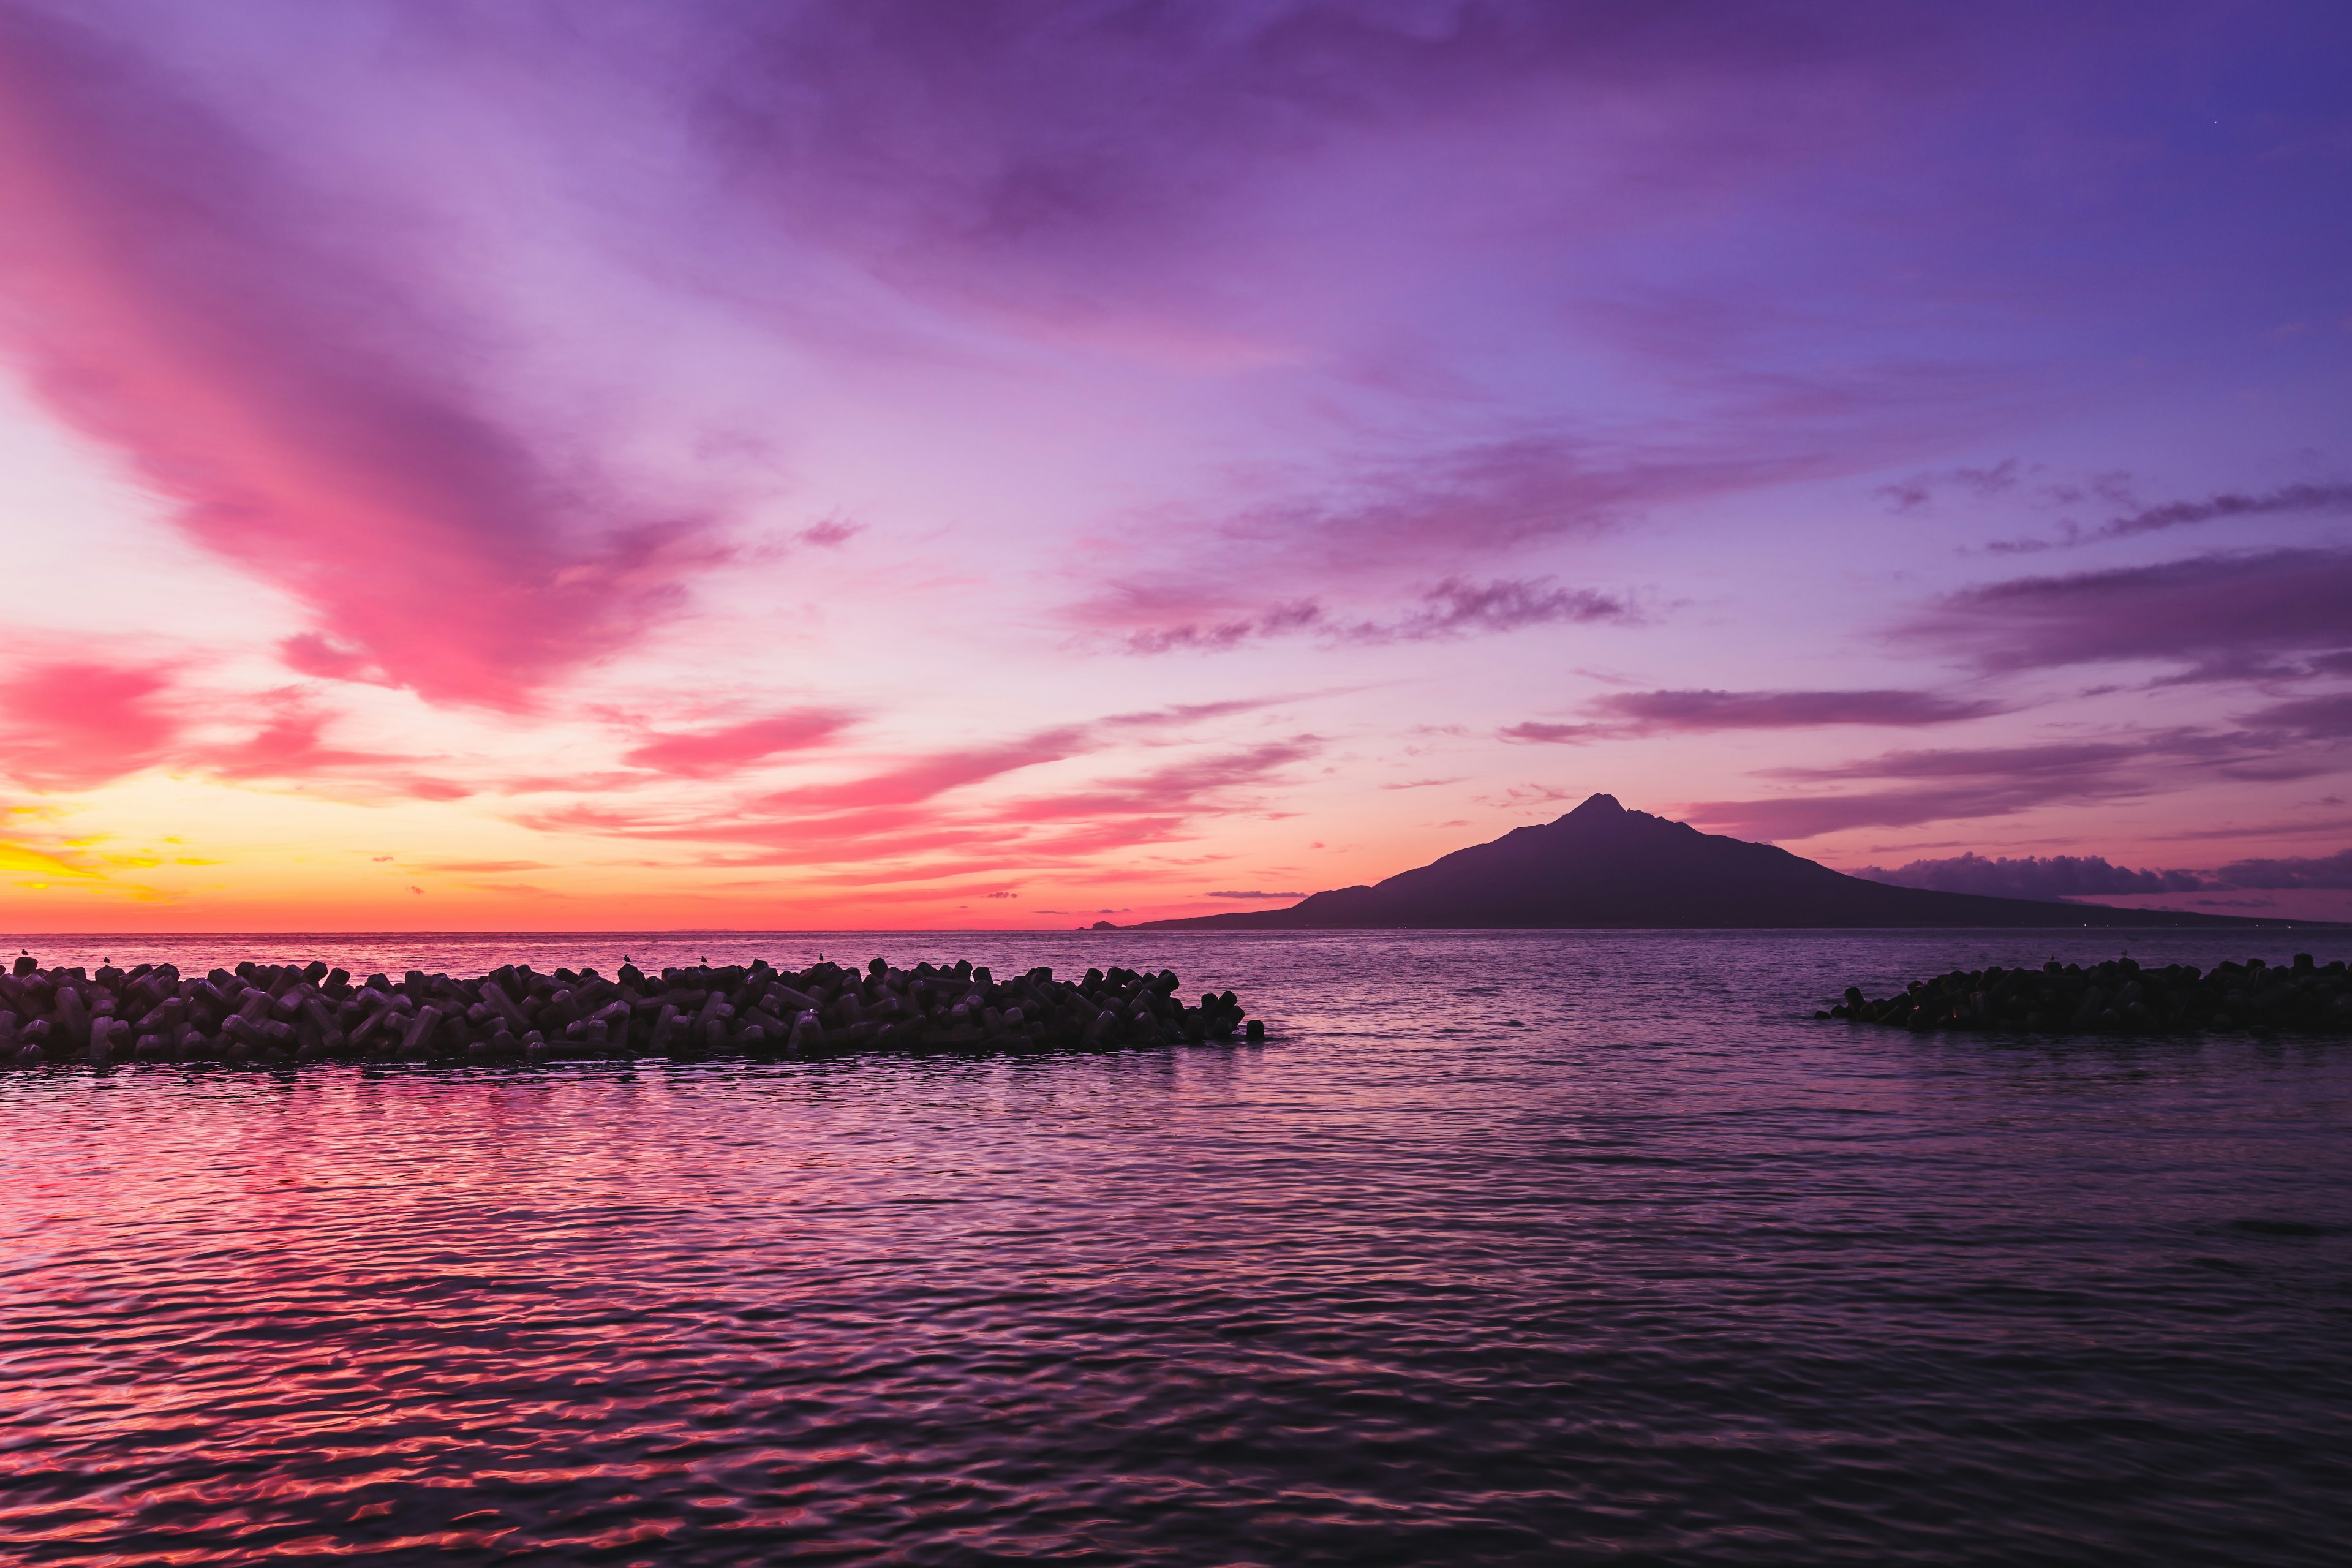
1604	867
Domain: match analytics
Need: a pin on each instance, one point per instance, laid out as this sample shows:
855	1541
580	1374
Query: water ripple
1666	1271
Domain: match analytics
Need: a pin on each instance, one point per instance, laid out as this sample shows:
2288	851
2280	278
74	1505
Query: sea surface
1510	1247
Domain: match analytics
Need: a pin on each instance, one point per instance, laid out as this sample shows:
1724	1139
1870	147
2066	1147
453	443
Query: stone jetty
280	1014
2120	997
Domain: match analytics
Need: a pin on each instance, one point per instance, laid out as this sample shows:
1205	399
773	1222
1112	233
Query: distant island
1602	866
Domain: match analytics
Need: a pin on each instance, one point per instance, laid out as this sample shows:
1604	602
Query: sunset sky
681	464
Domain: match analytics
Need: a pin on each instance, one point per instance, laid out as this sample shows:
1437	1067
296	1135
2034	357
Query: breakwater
2119	996
284	1014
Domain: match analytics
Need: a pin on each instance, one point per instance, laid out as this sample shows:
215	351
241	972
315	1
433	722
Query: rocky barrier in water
284	1014
2119	997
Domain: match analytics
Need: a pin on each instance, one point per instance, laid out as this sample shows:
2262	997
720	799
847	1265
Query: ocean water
1518	1247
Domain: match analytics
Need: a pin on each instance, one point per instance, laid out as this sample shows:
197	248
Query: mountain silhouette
1603	866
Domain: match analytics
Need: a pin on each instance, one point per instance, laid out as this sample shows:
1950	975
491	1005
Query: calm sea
1528	1247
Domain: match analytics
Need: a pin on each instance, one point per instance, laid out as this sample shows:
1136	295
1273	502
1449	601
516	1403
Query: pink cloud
895	825
74	724
78	724
1186	787
181	300
924	778
291	745
704	754
1192	712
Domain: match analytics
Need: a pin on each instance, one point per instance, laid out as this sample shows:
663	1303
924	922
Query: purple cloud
1654	712
1633	713
2216	604
2320	871
2092	876
1192	636
2327	718
1973	783
830	533
2032	877
2231	505
2078	759
1781	818
1453	609
1983	484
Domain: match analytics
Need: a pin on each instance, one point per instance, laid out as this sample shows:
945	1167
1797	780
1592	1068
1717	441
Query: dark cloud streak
2232	505
2220	605
1453	609
1700	710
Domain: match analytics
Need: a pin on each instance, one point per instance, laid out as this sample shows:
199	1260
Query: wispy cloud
917	818
1194	637
480	867
1540	733
1454	608
1985	483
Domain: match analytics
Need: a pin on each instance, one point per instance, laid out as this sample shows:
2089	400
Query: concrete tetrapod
2119	996
299	1014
